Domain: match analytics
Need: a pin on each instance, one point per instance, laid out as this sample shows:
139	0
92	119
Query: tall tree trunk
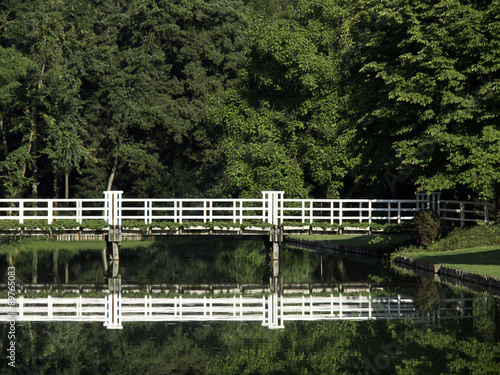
34	184
55	186
4	139
66	185
33	151
112	175
497	202
33	139
5	146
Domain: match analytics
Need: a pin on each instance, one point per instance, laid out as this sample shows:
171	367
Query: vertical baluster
21	212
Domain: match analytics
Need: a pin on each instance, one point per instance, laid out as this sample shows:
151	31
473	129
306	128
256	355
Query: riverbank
468	257
475	268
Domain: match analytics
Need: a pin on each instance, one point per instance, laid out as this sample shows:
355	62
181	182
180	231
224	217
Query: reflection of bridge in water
272	309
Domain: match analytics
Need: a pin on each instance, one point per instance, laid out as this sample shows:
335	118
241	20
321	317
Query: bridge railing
204	210
51	209
338	211
272	208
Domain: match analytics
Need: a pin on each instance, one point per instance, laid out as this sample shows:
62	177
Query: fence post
399	212
204	210
79	211
389	212
370	213
303	212
145	212
180	212
50	211
241	211
462	215
21	212
311	211
234	210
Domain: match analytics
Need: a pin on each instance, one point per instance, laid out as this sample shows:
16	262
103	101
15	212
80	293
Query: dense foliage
319	98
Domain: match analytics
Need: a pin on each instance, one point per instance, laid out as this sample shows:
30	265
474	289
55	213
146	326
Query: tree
425	84
282	126
13	67
155	65
52	124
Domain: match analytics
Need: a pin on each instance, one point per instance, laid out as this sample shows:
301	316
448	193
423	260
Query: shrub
428	227
461	238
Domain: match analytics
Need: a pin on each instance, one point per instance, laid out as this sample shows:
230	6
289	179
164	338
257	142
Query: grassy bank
376	243
484	260
475	249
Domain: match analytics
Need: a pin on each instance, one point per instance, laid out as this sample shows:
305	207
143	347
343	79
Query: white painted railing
351	210
272	208
272	311
51	209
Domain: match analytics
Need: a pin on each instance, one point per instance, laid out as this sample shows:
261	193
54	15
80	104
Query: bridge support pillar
113	242
275	239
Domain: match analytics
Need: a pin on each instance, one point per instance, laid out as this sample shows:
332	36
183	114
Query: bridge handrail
272	208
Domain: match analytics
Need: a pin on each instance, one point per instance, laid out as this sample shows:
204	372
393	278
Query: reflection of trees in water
428	294
173	261
246	263
296	266
49	266
235	348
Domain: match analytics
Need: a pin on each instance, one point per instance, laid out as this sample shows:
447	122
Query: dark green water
454	346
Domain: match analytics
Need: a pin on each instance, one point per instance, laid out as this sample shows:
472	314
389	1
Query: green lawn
378	243
484	260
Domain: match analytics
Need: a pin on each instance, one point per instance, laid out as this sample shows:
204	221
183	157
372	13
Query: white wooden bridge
273	208
272	311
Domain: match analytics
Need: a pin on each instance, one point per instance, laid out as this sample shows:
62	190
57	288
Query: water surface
458	345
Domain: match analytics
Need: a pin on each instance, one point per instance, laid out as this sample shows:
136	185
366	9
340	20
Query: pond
235	311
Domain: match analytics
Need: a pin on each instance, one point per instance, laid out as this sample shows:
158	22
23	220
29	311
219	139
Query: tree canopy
319	98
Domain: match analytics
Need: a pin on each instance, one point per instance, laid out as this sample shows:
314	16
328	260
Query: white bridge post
274	202
113	207
113	216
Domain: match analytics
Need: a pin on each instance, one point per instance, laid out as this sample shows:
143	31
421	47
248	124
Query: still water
447	331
